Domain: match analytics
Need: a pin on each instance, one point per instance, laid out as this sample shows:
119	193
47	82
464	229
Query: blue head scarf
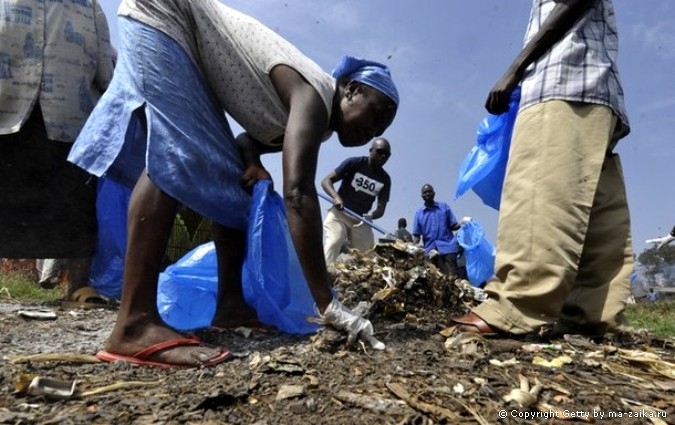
367	72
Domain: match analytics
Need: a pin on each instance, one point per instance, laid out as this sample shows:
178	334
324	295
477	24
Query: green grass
658	318
21	287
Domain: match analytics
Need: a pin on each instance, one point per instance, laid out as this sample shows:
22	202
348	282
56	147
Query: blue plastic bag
188	289
484	168
107	265
479	254
273	282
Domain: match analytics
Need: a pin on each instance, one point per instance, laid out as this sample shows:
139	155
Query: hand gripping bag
478	253
274	283
484	167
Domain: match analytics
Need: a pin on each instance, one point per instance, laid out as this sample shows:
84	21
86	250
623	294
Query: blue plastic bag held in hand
484	168
188	289
478	252
274	283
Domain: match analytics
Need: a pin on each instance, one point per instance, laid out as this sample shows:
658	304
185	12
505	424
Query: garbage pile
394	282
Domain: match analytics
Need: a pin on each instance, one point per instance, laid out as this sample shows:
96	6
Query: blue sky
444	57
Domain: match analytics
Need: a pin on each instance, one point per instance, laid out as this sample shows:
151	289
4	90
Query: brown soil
427	374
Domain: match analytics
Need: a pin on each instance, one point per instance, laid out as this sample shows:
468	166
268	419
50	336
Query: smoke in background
645	278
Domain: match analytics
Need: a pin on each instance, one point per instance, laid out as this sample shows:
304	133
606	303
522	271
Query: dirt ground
428	374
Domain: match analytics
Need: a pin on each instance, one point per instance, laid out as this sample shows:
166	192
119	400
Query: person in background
50	271
652	295
362	181
402	233
564	250
434	224
55	63
179	150
663	241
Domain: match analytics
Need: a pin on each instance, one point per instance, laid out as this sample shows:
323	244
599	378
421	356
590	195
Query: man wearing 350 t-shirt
362	181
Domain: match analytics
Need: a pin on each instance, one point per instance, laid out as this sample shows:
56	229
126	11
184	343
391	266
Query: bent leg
231	308
78	273
138	325
362	237
335	234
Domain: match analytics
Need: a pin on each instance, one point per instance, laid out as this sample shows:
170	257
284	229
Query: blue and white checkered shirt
582	66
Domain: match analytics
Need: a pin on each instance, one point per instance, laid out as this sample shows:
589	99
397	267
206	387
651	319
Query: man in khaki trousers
564	251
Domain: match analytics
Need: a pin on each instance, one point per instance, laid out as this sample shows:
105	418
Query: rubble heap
394	282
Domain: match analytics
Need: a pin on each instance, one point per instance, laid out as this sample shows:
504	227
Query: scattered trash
257	360
645	411
479	294
240	354
52	389
28	406
439	412
555	363
287	366
38	314
431	373
290	391
650	361
371	402
467	343
538	348
524	395
22	384
510	362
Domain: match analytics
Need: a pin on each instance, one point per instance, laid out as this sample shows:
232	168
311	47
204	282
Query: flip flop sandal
85	298
143	357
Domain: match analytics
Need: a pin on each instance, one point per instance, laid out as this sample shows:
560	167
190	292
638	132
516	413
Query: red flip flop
142	358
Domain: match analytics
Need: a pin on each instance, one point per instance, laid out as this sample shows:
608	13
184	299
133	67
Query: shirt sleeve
452	220
383	196
344	168
416	229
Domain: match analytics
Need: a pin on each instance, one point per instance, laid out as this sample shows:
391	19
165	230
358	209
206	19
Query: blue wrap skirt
159	114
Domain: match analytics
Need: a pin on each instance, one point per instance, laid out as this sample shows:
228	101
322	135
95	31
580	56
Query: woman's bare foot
134	341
